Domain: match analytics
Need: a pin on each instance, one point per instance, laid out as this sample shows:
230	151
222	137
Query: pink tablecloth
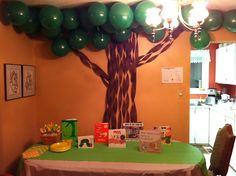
85	168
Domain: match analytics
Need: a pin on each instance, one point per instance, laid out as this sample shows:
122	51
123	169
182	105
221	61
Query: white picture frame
28	80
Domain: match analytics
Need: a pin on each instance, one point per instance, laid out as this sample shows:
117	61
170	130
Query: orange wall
17	117
67	89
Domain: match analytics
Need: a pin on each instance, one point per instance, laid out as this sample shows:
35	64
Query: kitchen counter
229	106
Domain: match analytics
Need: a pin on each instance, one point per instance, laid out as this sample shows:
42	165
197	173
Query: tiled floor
207	154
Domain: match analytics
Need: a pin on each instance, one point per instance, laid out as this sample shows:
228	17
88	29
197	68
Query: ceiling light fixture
169	15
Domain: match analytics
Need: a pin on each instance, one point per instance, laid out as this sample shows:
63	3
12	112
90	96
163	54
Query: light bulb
152	17
199	13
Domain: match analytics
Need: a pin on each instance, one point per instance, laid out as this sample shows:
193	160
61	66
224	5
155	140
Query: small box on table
132	130
86	141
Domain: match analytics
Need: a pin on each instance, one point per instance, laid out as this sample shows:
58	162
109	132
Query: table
176	159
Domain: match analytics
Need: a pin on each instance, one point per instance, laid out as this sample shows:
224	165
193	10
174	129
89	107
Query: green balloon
97	14
108	28
150	30
230	20
51	33
70	19
32	25
185	12
50	17
84	20
17	13
121	16
200	42
100	41
214	21
122	35
60	47
156	36
140	11
77	39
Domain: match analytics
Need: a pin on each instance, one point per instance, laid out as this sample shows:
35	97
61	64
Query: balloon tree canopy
98	23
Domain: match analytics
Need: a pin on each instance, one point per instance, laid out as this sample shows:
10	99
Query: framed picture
28	80
13	81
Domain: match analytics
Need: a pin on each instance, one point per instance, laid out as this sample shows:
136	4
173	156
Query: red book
101	132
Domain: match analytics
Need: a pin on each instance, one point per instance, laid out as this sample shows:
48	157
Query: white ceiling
223	5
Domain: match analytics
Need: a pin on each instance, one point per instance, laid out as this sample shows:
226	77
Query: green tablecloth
175	153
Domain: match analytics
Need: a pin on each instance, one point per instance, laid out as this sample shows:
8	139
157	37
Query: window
199	70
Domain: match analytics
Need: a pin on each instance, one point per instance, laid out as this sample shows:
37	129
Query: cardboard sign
150	141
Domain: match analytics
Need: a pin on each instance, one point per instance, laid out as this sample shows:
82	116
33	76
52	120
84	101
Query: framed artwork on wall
13	81
28	80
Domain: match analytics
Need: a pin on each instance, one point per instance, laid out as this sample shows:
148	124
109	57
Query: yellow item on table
60	147
34	151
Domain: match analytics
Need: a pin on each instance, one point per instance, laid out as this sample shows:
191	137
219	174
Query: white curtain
200	56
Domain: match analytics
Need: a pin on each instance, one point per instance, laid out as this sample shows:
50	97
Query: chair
222	150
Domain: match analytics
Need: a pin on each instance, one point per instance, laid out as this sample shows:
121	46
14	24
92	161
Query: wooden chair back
222	150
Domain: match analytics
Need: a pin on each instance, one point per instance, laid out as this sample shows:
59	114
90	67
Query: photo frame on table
28	80
13	81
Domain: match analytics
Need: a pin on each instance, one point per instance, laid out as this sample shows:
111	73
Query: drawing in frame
28	80
13	81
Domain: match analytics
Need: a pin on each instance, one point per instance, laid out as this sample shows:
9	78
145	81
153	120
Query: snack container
101	133
69	129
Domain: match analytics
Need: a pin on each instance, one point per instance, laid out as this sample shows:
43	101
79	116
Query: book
117	138
101	133
150	141
86	141
132	130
